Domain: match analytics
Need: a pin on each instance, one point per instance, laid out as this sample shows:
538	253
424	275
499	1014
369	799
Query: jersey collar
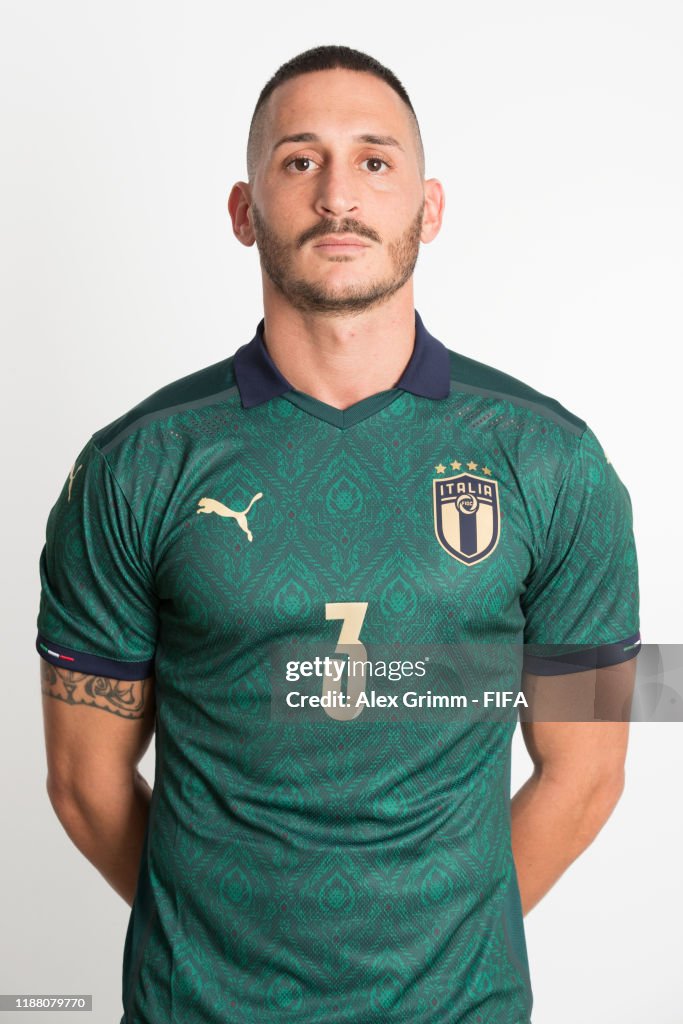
258	378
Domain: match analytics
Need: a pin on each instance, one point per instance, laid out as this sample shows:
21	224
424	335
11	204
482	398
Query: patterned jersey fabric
322	867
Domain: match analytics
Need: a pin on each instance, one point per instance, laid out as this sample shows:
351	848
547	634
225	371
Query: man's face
337	197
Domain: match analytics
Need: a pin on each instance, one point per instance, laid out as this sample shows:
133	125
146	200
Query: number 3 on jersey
352	614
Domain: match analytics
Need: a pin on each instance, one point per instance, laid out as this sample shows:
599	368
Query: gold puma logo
73	473
209	505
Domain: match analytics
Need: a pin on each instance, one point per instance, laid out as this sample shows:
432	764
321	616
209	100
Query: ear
435	204
239	204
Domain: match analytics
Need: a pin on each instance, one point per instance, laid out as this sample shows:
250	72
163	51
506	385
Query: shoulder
494	388
199	390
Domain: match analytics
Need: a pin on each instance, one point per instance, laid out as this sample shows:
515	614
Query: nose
336	195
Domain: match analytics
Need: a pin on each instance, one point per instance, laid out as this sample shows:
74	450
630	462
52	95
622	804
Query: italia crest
466	514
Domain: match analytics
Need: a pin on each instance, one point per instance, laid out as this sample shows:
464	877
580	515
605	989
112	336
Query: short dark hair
324	58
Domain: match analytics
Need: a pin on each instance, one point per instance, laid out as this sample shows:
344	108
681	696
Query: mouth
336	243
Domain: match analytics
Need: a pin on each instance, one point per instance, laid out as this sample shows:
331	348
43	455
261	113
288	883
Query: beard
311	297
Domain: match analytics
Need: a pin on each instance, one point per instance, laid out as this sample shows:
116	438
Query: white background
556	130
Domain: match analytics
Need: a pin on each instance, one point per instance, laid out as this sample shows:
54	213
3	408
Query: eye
295	165
375	160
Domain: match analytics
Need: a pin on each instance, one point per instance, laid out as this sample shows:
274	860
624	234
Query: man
343	481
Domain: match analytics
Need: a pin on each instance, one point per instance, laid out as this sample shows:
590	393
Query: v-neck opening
343	418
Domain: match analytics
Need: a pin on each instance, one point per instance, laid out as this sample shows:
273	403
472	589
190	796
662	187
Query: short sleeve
98	609
581	604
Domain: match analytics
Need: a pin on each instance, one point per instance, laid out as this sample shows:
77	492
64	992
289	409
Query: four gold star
470	465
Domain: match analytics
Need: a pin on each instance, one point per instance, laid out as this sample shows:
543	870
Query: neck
340	360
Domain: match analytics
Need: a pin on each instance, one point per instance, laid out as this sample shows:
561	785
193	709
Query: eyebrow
373	140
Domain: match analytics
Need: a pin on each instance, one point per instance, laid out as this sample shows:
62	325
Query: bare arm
577	780
96	731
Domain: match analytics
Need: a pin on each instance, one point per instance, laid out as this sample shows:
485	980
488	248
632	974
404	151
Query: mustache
332	227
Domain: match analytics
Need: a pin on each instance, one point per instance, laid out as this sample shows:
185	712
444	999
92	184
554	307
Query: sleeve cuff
92	664
585	657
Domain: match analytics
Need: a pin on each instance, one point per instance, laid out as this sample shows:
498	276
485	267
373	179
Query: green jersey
331	867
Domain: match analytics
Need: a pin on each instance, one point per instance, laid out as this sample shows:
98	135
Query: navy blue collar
258	378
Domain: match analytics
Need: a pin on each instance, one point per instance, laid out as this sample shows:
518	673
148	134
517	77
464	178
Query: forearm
552	824
107	823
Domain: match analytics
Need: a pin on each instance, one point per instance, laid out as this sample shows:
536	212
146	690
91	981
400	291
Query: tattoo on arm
122	698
